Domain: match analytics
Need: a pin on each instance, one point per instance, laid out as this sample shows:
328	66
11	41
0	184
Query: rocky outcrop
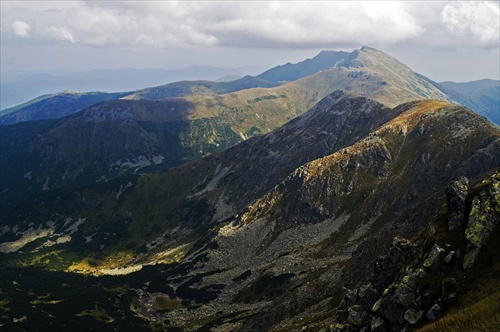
484	217
417	280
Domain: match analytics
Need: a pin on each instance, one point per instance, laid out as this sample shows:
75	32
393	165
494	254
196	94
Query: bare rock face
456	194
484	217
422	279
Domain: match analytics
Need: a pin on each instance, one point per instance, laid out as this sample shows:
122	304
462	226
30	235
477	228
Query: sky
443	40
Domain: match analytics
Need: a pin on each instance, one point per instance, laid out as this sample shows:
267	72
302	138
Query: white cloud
481	19
305	24
243	32
266	24
239	24
21	29
62	34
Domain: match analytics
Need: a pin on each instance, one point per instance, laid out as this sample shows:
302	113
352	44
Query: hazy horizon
443	40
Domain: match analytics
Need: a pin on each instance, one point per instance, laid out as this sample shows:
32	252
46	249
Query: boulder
357	315
378	325
404	295
433	258
449	257
413	316
434	312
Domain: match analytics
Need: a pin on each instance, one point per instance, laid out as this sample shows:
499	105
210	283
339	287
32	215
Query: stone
456	195
356	315
409	281
434	312
387	266
415	274
432	260
378	325
341	327
376	306
389	308
404	295
342	315
401	243
413	316
449	257
448	286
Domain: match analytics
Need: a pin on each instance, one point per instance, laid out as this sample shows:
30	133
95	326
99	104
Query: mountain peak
290	72
367	56
369	49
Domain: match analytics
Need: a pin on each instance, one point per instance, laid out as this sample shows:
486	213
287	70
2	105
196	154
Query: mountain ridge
66	102
483	96
485	103
207	123
278	259
291	72
18	90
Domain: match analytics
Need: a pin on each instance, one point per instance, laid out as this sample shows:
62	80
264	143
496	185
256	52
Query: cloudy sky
446	40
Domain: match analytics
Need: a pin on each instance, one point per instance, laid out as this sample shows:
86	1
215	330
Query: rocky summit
377	208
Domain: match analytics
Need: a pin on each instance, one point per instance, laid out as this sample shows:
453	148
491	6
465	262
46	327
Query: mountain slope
186	88
483	96
291	72
138	133
230	180
449	269
281	262
65	103
16	90
55	106
334	215
470	88
97	145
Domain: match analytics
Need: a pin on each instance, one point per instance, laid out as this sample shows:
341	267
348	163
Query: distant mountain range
360	196
157	128
55	106
17	90
482	96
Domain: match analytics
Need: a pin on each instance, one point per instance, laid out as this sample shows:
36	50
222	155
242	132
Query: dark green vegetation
38	300
263	235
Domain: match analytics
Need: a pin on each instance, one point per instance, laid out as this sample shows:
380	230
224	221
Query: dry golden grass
412	116
483	315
